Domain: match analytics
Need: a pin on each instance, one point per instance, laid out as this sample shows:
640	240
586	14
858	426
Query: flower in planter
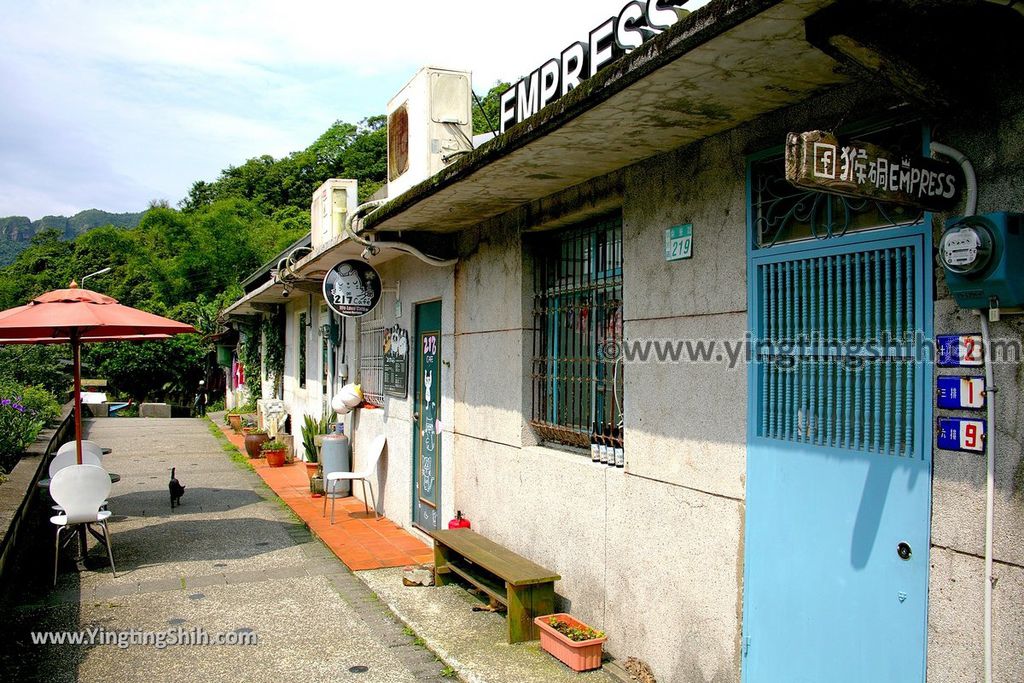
573	633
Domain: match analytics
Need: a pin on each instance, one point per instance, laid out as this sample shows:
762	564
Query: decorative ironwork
784	213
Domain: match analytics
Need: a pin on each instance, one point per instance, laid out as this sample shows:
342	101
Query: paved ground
232	558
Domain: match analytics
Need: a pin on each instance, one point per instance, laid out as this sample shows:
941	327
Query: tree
487	119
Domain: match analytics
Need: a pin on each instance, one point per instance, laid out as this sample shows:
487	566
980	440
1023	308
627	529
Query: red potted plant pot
274	452
575	644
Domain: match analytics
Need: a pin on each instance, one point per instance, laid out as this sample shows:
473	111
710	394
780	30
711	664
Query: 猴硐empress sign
817	160
637	22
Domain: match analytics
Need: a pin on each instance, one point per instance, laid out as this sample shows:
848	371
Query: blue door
838	461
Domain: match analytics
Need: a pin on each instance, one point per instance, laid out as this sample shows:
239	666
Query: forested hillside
17	231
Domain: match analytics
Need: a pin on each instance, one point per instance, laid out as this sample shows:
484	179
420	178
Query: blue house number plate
964	350
961	434
961	393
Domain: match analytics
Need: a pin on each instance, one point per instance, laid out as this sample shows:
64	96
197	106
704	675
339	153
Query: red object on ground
76	315
459	522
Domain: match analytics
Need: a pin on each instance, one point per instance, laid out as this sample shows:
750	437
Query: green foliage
46	366
574	633
152	371
249	352
311	428
20	423
17	231
274	445
488	119
273	339
39	402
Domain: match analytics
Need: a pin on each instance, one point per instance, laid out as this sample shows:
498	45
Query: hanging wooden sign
818	160
396	362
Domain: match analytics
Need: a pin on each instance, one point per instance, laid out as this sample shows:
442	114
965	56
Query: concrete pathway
232	559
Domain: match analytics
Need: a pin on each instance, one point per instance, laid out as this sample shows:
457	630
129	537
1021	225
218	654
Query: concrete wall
990	138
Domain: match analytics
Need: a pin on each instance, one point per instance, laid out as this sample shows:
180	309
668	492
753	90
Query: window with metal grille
577	386
371	356
782	213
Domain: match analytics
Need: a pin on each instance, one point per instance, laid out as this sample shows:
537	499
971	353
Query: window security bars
577	310
839	359
371	355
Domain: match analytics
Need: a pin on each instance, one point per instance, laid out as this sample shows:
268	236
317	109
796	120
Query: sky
111	104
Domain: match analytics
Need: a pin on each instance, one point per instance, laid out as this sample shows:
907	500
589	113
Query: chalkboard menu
396	362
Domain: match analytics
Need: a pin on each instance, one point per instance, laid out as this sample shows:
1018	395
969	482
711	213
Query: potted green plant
312	433
254	440
273	451
569	640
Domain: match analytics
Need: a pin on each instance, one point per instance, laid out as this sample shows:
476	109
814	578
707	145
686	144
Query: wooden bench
526	589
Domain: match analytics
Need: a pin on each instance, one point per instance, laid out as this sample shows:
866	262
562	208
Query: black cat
176	489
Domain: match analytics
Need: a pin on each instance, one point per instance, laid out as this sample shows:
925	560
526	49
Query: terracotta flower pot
236	423
581	655
311	469
253	443
275	458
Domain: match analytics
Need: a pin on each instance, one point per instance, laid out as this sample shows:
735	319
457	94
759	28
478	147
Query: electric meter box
984	260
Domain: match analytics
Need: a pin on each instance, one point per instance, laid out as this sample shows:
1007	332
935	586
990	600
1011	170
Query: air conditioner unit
430	121
332	203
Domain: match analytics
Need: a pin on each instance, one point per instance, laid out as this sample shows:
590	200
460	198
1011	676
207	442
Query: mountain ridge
16	232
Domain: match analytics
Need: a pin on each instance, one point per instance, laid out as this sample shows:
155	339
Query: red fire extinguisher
459	522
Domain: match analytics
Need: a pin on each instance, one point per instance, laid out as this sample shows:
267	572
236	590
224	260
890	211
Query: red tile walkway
357	538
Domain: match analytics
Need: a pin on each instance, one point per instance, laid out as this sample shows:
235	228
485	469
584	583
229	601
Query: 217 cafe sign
818	160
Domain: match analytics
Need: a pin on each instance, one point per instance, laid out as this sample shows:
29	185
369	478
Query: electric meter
966	247
982	256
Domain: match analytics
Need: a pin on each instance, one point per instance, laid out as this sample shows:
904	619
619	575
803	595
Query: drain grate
358	669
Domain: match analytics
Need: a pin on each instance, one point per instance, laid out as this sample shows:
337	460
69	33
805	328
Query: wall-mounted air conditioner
332	203
430	123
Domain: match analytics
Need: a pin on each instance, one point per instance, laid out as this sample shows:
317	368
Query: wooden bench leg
440	564
525	603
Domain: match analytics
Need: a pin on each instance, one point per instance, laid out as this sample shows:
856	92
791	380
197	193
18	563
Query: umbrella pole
76	353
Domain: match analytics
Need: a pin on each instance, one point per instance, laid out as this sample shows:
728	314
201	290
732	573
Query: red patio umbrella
75	315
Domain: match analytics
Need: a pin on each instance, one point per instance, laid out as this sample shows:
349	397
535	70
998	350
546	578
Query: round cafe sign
352	288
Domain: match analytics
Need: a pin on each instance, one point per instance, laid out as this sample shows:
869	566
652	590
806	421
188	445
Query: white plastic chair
69	458
363	476
80	491
87	447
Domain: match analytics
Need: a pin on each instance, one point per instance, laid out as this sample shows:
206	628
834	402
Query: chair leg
373	498
110	552
334	488
327	494
56	556
366	507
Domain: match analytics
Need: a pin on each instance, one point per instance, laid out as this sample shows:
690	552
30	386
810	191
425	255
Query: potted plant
235	421
575	644
254	439
312	433
273	451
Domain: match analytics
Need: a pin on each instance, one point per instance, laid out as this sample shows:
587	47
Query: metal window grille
838	369
578	389
371	356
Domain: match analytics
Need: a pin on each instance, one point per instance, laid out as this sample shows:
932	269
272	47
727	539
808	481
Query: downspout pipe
373	246
971	183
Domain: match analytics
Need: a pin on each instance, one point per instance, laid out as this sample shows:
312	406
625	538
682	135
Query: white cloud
132	101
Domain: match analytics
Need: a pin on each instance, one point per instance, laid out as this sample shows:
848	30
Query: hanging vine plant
249	352
273	336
